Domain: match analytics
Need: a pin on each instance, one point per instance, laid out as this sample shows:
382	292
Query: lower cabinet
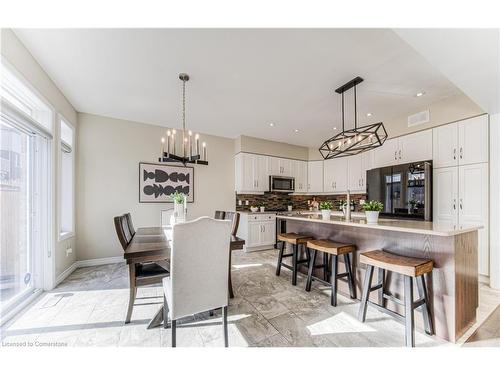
258	230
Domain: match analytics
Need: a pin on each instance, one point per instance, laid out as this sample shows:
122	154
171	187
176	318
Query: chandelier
190	146
357	139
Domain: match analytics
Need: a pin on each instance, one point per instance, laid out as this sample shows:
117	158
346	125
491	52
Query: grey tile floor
88	309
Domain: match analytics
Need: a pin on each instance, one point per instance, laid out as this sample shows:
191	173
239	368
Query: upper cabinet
356	171
335	175
315	176
280	166
405	149
251	173
299	172
461	143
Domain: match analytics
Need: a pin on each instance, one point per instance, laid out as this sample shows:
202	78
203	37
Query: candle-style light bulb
173	140
204	151
168	141
190	133
197	139
162	146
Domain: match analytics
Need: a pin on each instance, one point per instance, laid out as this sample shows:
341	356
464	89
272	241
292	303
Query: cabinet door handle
395	155
454	204
461	153
399	154
454	154
461	203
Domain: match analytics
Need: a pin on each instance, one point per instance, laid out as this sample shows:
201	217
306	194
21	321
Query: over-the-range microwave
281	184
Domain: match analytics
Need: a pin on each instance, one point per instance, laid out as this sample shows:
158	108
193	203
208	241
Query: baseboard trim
484	279
87	263
8	315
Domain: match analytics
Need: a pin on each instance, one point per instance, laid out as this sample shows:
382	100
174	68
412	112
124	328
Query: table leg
133	292
157	319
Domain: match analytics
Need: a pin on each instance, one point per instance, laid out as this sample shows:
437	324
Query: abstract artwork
158	181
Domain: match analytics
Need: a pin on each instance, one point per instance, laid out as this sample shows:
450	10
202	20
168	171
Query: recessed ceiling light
421	93
271	124
334	128
369	114
296	130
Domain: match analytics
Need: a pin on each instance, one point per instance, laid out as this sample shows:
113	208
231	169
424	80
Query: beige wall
14	52
451	109
108	162
263	146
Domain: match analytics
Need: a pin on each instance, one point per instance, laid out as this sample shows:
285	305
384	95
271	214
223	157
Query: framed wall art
158	181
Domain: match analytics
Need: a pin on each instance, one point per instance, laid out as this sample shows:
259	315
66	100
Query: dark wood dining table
152	244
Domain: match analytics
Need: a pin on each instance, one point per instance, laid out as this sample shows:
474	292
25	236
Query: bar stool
334	249
295	240
408	267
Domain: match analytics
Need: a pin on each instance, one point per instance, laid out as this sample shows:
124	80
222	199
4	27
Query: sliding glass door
16	218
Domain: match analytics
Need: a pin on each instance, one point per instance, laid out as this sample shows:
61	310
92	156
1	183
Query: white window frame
72	233
43	207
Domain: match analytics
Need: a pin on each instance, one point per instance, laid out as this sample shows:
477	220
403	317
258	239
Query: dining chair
143	274
131	229
198	271
219	215
234	217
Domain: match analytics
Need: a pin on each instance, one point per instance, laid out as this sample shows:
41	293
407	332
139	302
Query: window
25	133
66	186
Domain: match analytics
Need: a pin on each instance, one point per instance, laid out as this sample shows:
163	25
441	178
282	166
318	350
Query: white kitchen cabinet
387	154
473	140
315	176
461	143
299	172
250	173
473	206
460	199
335	175
355	173
258	230
406	149
280	167
445	196
415	147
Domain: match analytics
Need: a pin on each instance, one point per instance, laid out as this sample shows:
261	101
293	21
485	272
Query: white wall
20	58
265	147
108	183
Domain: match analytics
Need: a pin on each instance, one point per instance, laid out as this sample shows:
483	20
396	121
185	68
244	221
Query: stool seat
293	238
397	263
327	246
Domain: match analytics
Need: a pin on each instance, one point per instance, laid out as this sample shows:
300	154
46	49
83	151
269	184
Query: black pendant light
357	139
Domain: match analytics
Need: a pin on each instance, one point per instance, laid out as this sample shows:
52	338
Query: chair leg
229	278
280	258
334	279
325	266
350	276
365	293
165	313
310	271
409	319
174	326
426	308
294	265
381	280
133	292
224	319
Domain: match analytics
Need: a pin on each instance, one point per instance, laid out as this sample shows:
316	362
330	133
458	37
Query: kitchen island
453	284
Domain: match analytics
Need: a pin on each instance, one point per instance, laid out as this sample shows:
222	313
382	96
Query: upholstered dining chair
198	271
234	217
145	273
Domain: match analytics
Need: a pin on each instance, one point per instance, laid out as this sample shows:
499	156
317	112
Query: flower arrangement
178	197
326	205
373	206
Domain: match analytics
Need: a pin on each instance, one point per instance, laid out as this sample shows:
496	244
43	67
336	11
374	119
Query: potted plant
179	206
326	209
372	210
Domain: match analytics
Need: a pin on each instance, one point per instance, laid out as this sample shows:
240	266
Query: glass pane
15	222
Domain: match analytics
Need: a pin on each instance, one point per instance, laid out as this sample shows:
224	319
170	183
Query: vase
326	214
371	217
179	213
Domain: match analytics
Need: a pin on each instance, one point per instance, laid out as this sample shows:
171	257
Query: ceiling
241	79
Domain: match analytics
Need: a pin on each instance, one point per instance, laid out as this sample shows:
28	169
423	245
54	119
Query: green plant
325	205
373	206
178	197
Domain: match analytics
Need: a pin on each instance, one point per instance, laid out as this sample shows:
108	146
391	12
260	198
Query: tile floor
89	307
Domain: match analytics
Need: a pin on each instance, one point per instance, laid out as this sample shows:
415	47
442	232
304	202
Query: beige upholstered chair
198	280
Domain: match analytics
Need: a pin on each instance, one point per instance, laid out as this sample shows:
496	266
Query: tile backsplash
280	201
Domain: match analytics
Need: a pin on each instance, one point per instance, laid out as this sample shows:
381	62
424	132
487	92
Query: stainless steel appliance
282	184
405	190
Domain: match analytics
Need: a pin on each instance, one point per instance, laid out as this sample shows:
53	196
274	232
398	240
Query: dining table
153	244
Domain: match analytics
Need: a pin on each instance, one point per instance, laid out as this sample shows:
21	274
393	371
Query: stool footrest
383	309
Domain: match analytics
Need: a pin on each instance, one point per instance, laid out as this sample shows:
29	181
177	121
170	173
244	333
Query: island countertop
395	225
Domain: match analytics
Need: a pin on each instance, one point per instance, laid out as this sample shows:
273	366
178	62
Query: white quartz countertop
408	226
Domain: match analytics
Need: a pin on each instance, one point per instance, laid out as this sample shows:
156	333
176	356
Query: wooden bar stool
408	267
295	240
334	249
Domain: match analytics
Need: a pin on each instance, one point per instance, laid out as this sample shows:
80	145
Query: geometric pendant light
357	139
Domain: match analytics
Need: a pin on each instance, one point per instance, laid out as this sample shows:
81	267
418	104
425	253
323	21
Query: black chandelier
168	153
355	140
